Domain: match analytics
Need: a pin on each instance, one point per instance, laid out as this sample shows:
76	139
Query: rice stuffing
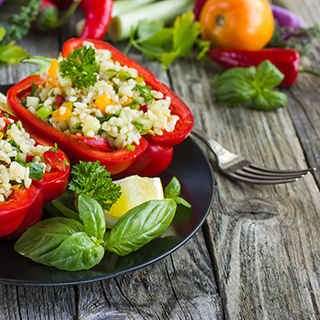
19	154
119	107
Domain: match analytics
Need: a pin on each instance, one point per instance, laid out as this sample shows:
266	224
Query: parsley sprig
168	44
81	67
92	179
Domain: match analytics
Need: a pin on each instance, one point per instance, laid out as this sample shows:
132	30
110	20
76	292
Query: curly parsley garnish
92	179
81	67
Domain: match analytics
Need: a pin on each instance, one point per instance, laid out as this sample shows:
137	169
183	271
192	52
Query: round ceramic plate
191	167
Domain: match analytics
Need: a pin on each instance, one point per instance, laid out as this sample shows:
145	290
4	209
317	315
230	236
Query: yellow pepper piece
16	186
52	71
140	79
129	100
64	112
102	102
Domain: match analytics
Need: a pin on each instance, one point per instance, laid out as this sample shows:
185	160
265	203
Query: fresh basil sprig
76	243
66	243
240	85
140	225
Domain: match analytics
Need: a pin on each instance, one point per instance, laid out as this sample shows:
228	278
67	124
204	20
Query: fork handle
215	147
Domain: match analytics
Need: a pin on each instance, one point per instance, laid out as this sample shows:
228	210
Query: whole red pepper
24	207
153	154
97	16
286	60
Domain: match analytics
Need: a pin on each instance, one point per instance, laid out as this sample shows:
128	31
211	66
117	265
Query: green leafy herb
173	190
34	88
140	225
299	39
54	149
145	91
36	171
81	67
139	126
240	85
14	145
64	243
11	53
133	104
16	18
168	44
92	179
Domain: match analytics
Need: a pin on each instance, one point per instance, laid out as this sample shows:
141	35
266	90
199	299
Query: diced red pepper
24	207
55	159
29	157
94	142
60	100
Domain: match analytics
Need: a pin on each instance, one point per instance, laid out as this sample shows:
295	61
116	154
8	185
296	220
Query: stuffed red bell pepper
32	173
97	104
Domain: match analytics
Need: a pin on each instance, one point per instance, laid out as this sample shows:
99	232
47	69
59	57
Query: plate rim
134	268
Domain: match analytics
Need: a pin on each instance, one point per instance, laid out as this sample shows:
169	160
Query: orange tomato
237	24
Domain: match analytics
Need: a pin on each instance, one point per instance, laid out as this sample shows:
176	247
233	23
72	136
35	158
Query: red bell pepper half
24	207
151	151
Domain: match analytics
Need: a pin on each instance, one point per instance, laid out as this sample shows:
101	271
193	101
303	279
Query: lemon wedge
135	190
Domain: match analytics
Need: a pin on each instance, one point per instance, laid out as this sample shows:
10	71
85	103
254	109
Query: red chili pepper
286	60
97	16
24	207
95	142
118	160
48	16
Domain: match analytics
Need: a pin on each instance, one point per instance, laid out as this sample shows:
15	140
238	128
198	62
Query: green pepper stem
68	14
302	69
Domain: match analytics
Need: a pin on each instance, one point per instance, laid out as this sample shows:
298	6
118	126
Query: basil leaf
92	216
67	212
173	188
235	92
269	100
268	75
179	200
234	75
41	240
140	225
77	252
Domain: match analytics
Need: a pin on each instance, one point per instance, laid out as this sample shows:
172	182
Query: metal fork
237	167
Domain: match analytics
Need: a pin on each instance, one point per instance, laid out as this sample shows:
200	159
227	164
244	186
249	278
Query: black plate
191	167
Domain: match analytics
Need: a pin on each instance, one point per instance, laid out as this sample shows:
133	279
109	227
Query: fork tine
256	175
259	181
276	174
281	171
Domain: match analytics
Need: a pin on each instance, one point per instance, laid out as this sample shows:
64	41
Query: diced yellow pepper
129	100
52	71
102	102
140	79
16	186
63	114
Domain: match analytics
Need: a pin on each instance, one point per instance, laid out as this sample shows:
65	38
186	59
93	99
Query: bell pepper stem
302	69
43	62
68	13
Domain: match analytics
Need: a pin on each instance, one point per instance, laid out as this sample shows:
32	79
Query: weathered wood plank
264	240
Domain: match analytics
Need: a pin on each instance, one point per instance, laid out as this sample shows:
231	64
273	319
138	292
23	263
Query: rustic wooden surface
257	255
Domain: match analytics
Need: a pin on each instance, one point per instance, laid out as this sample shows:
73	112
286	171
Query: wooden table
258	253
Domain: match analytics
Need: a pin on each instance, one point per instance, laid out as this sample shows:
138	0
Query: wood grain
258	255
